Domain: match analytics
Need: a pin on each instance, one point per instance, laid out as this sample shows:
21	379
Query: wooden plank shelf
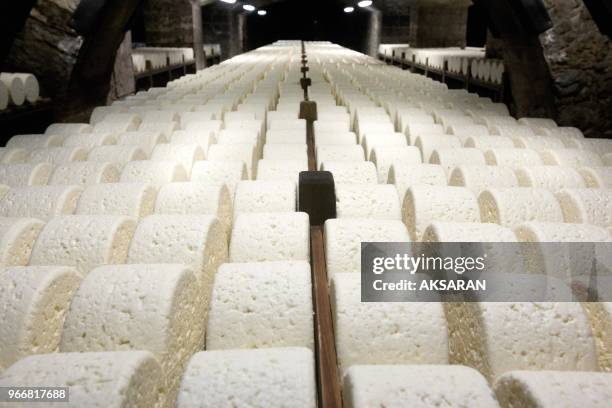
453	79
328	379
27	118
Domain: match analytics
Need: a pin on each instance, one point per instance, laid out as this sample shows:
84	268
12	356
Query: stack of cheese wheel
157	255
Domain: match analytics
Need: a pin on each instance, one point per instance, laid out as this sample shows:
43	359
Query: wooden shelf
27	118
483	88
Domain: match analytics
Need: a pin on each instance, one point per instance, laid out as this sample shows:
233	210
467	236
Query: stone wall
168	23
46	46
435	24
580	61
122	81
225	25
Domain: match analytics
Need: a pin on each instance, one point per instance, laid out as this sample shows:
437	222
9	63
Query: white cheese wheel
352	172
228	173
68	129
384	157
58	155
332	126
404	176
549	389
367	201
146	140
334	138
373	140
587	206
467	232
157	173
489	142
295	152
31	88
186	154
15	87
570	158
162	116
414	130
564	262
511	130
30	142
34	304
13	155
387	332
89	140
450	158
265	197
495	338
599	146
338	153
343	239
262	304
495	120
560	132
128	199
264	237
264	377
84	173
479	178
512	206
600	314
239	136
84	241
298	125
199	125
606	158
538	122
17	236
384	126
4	96
419	386
468	130
203	139
196	240
118	122
280	169
424	204
513	157
594	177
428	143
167	317
22	175
537	142
43	202
282	136
552	178
245	153
119	155
101	112
96	380
196	198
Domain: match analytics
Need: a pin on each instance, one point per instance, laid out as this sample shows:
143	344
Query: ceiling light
365	3
229	1
248	7
262	12
349	9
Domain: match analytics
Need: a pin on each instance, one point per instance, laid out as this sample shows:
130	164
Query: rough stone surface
46	46
168	23
580	61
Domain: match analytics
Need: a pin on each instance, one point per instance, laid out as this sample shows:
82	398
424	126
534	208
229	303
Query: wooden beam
91	75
